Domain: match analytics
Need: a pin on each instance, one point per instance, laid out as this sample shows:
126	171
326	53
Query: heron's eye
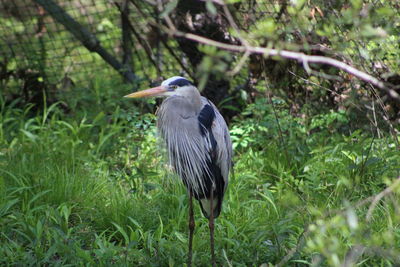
173	87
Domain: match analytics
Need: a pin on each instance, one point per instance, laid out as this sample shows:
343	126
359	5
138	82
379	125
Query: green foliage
313	181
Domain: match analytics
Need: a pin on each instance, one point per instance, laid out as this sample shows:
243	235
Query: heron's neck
194	98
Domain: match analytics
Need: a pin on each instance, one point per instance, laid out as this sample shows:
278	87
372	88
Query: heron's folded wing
224	145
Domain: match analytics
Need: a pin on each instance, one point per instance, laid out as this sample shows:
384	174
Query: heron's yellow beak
155	91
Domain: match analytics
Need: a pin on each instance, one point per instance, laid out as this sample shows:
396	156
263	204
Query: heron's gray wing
224	145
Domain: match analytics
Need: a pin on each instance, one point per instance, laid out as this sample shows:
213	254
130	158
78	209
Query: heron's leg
211	226
191	228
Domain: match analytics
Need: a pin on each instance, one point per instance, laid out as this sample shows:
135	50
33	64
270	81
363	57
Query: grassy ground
90	188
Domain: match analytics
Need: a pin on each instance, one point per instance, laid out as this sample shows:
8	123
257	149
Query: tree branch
300	57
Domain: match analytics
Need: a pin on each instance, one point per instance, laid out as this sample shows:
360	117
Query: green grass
91	188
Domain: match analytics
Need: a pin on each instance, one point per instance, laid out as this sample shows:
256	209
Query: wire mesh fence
32	41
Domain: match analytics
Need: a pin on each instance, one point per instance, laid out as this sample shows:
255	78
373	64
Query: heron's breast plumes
187	151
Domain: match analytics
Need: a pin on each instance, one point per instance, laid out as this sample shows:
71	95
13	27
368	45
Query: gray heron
198	145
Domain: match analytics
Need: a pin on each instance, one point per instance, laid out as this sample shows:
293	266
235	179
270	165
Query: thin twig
281	139
386	117
174	55
240	64
293	251
233	24
379	196
243	41
143	43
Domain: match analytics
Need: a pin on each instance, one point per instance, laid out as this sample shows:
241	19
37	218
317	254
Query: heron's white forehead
170	80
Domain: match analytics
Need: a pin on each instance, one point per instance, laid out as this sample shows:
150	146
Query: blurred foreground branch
379	196
374	200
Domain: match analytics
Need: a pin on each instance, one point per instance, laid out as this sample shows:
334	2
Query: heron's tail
205	205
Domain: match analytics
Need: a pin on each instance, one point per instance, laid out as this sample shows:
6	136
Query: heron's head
176	85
